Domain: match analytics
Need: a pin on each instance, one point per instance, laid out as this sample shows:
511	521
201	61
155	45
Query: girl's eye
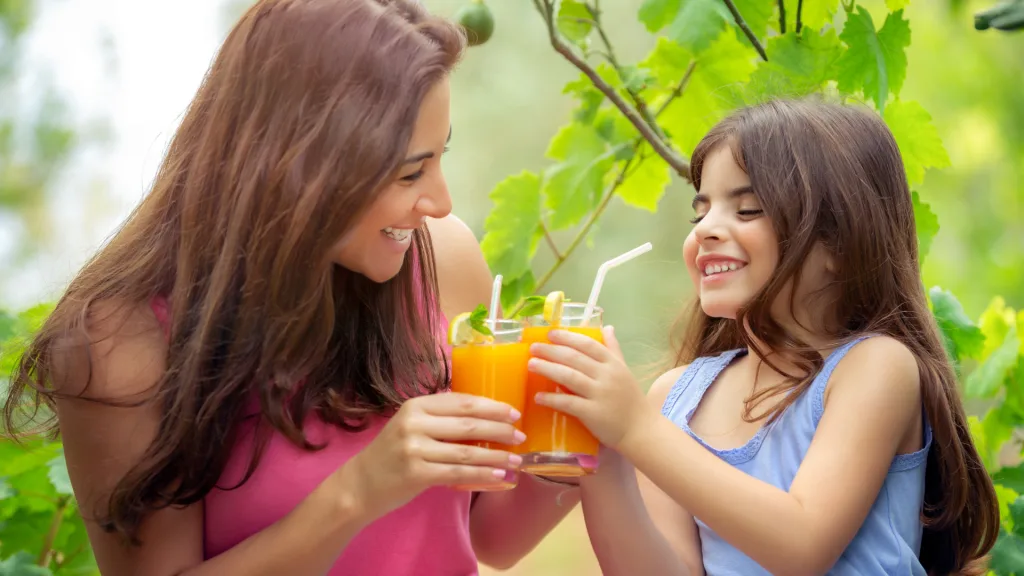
414	176
750	213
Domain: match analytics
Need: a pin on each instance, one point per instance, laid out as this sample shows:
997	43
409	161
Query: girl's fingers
583	344
568	357
565	403
571	379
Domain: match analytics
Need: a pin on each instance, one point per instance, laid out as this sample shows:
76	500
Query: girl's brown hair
304	116
832	174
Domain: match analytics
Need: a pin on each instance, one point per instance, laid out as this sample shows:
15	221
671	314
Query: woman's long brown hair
832	174
304	116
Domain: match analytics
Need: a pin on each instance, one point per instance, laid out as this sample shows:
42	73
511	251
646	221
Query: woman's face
377	245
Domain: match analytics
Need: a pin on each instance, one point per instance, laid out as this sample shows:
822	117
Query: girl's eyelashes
414	176
753	213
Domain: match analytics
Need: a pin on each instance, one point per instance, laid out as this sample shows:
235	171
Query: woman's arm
504	526
634	527
414	451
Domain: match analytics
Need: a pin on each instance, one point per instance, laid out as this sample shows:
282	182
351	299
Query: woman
245	376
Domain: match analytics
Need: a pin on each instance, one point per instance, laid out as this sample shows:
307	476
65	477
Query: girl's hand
605	396
417	449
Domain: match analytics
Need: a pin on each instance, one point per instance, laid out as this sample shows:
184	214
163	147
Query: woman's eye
414	176
696	219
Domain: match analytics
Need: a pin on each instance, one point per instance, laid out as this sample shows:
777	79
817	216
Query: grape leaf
573	187
574	20
894	5
927	224
919	141
987	378
646	182
590	99
57	472
1011	477
513	290
962	337
22	564
513	226
1007	556
797	64
876	60
7	326
696	24
816	14
711	92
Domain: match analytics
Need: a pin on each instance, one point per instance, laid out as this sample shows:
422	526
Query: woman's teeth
397	234
712	269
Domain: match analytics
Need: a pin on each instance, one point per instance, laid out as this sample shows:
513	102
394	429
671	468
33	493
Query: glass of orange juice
494	367
557	444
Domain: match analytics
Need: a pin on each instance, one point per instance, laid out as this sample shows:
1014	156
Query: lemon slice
553	307
461	332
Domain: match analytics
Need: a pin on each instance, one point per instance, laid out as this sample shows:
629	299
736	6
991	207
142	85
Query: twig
641	104
782	16
678	91
746	29
799	13
51	534
674	160
550	240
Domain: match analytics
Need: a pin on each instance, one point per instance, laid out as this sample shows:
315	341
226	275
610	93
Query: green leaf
646	182
573	19
477	321
962	337
990	433
894	5
713	89
513	226
927	224
532	306
918	140
1016	514
513	290
22	564
696	24
816	14
986	380
7	326
58	473
995	323
876	61
1011	478
1007	556
590	99
797	64
1005	497
6	490
573	187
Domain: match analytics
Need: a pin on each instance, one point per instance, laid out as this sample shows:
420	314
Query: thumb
611	342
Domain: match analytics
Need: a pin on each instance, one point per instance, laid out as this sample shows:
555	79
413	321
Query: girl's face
377	245
733	250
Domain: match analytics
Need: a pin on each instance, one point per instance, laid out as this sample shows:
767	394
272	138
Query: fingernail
514	460
520	437
499	473
514	414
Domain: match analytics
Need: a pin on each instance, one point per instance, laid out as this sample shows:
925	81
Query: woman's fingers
461	428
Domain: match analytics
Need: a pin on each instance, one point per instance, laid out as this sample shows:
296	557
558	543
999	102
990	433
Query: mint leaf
532	306
478	320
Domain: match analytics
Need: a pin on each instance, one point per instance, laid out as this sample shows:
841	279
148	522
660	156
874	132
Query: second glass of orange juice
557	444
494	368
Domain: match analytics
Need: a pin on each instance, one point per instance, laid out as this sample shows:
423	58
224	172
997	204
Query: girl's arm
634	527
504	526
873	409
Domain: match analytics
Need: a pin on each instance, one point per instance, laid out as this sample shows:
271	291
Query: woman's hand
417	449
605	396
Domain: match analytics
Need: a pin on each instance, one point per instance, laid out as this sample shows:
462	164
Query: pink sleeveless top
426	537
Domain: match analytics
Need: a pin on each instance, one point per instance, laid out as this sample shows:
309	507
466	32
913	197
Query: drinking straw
602	271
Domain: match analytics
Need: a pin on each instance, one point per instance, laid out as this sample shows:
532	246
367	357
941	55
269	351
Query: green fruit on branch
1006	16
477	21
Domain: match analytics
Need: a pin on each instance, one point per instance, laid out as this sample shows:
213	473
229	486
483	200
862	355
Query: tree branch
51	534
782	16
551	240
678	91
674	160
799	13
746	29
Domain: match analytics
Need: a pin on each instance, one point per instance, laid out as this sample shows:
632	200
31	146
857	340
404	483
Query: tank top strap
820	383
162	310
691	385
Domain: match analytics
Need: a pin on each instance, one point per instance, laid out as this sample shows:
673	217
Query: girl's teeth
711	269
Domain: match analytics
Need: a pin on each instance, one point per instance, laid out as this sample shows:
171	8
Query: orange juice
557	444
497	371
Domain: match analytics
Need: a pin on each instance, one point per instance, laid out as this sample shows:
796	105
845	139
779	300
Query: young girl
813	424
244	376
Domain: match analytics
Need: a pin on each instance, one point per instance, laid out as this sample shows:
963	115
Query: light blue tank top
890	538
